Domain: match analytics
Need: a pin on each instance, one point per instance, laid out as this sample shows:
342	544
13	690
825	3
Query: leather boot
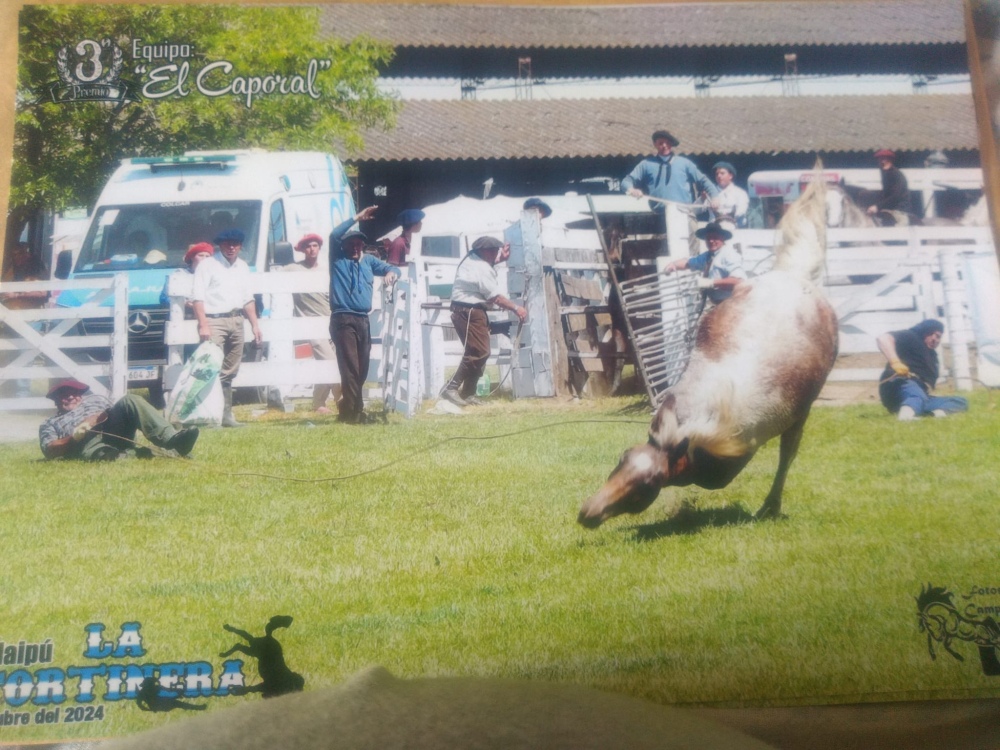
228	420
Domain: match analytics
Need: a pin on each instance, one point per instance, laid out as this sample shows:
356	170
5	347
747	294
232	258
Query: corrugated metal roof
806	22
587	128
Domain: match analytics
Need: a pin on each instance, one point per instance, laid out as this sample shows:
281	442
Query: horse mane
801	246
851	214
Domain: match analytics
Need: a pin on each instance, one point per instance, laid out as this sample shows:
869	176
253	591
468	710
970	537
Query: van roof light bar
156	163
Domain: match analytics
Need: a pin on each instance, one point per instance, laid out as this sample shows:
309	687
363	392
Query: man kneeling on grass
90	427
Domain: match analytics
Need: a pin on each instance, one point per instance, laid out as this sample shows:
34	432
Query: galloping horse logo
944	623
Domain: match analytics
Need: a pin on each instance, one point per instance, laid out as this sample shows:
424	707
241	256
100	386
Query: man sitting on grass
912	372
90	427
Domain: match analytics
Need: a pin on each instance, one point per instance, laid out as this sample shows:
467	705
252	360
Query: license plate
142	374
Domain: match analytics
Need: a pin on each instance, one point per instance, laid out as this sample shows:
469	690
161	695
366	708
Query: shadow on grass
637	408
691	520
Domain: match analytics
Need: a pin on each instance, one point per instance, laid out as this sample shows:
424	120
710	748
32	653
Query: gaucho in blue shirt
352	274
667	176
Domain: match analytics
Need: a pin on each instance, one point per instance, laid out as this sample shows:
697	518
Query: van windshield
156	235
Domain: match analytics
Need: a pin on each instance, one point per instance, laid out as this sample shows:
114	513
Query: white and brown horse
760	360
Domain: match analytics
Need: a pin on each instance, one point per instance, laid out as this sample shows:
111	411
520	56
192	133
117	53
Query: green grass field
463	557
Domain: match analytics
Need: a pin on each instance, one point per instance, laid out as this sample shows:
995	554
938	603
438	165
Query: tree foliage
64	152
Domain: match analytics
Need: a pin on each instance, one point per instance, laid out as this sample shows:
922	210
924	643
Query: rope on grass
429	448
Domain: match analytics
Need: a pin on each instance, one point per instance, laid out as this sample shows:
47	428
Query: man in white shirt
221	300
732	202
476	288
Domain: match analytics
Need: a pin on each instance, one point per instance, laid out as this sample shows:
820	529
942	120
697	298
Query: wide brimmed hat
410	216
307	239
539	204
66	385
230	235
198	247
666	134
713	228
886	153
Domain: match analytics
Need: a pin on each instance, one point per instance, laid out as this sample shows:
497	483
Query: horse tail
801	247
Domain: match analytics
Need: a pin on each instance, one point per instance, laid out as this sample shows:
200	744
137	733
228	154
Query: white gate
46	343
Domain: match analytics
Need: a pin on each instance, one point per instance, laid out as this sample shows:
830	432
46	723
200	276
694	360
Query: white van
936	192
153	208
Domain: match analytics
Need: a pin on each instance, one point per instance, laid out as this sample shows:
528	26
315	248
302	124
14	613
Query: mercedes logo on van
138	322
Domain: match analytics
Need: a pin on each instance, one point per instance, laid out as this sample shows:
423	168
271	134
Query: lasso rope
395	462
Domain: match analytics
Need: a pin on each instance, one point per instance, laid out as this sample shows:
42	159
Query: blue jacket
351	280
675	178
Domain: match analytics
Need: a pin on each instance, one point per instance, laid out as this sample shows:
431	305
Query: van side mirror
64	264
282	254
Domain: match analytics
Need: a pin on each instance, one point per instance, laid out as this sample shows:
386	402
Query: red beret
201	247
66	385
307	239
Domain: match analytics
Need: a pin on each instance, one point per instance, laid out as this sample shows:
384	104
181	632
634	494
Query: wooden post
119	339
958	335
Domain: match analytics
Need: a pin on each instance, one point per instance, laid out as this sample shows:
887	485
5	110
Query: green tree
65	152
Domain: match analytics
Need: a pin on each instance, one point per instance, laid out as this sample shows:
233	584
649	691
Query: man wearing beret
410	220
476	288
667	176
732	202
895	195
720	267
90	427
222	299
352	278
314	304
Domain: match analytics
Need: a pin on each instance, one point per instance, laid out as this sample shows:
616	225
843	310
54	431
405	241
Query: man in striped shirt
93	428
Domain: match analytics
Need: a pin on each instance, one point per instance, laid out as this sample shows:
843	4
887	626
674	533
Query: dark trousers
129	415
352	340
473	328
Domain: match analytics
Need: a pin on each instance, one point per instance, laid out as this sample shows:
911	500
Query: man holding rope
667	177
912	372
90	427
476	288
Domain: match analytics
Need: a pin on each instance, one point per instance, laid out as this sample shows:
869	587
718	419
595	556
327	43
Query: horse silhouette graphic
943	623
276	677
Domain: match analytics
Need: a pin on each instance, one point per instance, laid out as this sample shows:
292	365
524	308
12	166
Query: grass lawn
463	557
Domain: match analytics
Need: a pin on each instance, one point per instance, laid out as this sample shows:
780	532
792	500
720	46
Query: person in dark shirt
895	195
399	248
912	373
